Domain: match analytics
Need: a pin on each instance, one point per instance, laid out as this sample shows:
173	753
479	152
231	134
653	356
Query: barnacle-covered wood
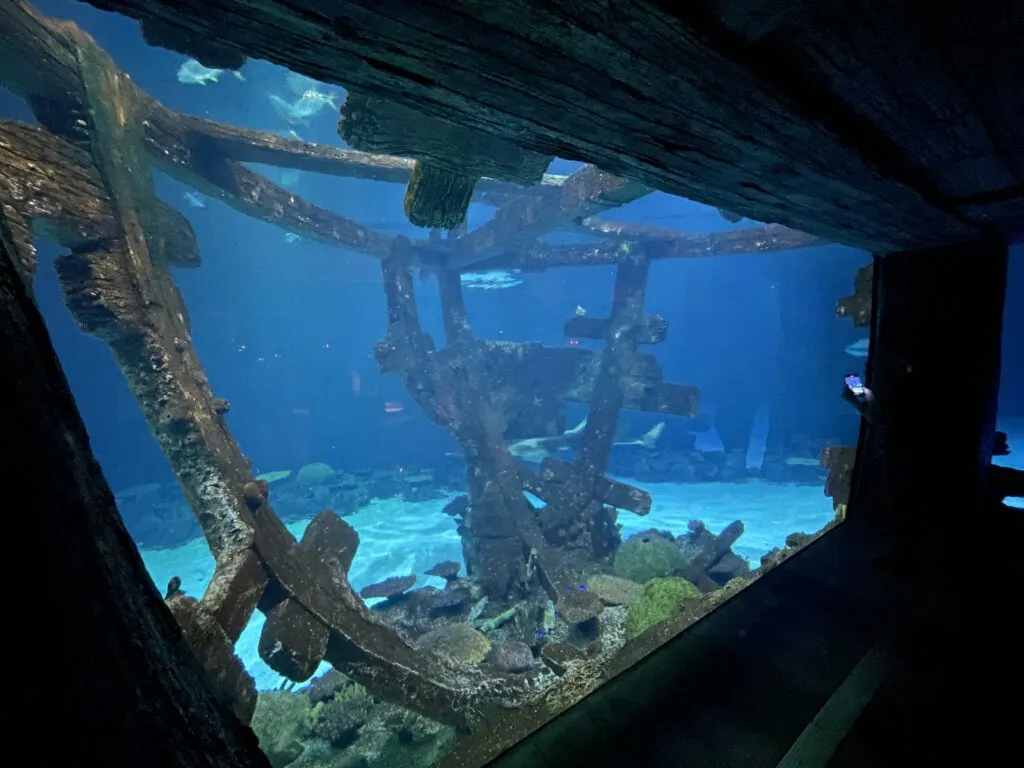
119	289
449	157
216	650
53	190
816	119
839	460
586	192
135	673
765	238
857	306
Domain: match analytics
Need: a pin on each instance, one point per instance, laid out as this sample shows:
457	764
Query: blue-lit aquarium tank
434	444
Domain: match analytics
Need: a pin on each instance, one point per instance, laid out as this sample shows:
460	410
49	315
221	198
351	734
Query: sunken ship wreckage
155	679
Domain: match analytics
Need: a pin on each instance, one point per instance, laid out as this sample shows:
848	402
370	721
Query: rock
578	607
456	641
558	656
613	590
511	656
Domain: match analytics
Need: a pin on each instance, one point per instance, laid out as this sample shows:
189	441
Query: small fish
493	280
729	216
191	72
536	449
859	348
581	311
194	200
291	237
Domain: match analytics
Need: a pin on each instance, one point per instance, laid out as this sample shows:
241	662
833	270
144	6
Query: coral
338	720
645	556
316	473
324	687
456	641
613	590
282	721
659	602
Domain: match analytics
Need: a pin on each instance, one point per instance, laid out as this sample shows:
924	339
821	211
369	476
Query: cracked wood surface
711	100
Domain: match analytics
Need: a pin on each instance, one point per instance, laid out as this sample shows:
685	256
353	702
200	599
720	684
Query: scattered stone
511	656
613	590
578	607
456	641
558	656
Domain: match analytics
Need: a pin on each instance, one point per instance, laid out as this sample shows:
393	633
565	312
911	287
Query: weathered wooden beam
586	192
857	306
450	158
766	238
675	98
653	330
554	473
135	674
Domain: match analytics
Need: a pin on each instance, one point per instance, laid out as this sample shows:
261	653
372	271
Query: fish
306	106
494	280
859	348
729	216
191	72
291	237
536	449
708	440
194	200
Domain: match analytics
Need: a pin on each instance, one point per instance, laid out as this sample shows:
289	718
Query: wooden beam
587	192
670	96
135	674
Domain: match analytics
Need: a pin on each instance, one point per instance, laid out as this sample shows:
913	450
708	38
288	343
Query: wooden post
923	460
86	623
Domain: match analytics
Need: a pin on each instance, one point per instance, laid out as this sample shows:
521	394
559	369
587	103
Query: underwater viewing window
519	444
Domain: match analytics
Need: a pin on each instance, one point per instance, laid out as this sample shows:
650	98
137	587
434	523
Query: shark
536	449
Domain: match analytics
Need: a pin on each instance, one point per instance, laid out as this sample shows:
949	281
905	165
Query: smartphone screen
854	384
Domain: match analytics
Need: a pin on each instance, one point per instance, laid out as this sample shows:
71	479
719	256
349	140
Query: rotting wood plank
586	192
666	95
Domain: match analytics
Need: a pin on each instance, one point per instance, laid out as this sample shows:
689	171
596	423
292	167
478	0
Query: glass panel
624	409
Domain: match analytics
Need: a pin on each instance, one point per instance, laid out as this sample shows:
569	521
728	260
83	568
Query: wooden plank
666	95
